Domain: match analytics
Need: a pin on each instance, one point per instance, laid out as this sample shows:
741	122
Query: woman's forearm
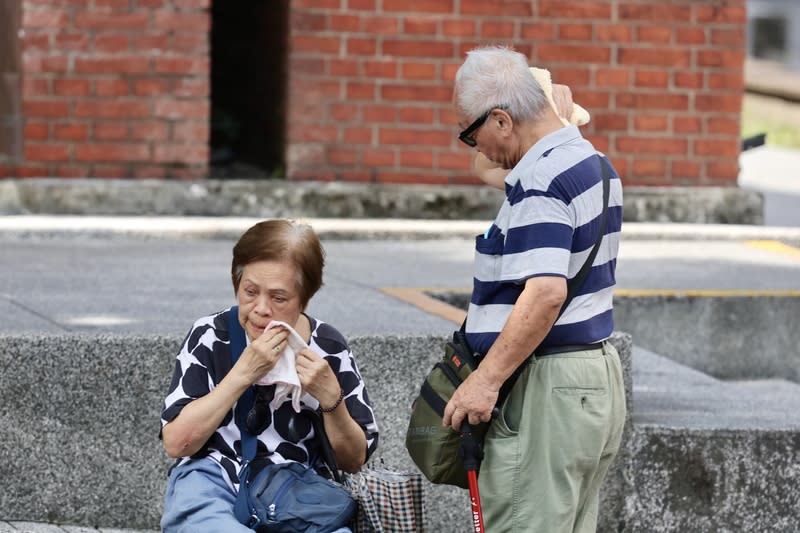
347	439
197	421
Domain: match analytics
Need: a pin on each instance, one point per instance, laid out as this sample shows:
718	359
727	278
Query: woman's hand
262	354
317	377
346	437
192	428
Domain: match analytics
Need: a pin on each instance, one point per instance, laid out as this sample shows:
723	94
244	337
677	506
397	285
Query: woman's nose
263	307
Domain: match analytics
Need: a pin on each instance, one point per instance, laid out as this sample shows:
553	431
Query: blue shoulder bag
286	497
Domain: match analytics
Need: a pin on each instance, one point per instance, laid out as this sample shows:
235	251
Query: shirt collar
539	149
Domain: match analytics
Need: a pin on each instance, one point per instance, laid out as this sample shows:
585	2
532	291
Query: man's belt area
542	352
566	348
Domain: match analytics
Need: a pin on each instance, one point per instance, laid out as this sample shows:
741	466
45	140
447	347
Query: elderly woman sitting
276	269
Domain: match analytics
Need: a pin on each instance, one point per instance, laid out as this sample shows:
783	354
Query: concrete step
269	198
671	395
700	454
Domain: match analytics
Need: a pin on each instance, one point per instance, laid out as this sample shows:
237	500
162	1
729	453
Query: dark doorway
10	115
249	50
769	38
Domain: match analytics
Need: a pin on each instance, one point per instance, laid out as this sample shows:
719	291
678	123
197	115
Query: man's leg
542	453
498	479
588	510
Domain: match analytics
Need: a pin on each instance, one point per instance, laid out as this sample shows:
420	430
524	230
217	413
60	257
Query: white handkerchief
284	374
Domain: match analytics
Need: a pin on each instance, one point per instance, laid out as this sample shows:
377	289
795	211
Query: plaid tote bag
388	501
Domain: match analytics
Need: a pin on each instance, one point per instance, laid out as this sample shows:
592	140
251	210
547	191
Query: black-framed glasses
466	136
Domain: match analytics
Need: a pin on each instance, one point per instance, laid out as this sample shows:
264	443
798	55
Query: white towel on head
284	374
579	115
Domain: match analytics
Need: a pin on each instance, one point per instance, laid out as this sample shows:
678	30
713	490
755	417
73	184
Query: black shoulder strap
245	403
574	284
577	282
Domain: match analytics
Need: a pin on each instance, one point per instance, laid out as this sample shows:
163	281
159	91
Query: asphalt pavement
68	281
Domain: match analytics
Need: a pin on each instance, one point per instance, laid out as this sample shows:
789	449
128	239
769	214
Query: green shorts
547	453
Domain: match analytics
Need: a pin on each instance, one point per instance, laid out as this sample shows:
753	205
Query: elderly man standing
547	452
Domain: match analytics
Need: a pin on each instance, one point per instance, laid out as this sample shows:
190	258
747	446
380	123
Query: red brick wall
371	81
114	88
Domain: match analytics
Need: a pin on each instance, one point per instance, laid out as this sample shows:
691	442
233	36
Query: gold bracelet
334	406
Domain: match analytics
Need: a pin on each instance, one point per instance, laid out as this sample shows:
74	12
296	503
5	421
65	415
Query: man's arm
562	98
531	319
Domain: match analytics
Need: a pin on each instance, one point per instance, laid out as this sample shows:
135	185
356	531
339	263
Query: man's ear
502	119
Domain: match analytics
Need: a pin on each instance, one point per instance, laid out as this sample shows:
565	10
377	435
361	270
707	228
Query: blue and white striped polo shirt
547	226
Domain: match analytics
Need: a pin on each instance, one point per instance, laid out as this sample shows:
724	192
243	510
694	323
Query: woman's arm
345	435
200	418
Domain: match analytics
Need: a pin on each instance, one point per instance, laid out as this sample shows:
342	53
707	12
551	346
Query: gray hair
496	76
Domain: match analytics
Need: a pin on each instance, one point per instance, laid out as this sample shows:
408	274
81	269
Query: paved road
74	282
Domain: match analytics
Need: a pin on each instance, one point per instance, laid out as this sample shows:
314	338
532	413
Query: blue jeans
198	500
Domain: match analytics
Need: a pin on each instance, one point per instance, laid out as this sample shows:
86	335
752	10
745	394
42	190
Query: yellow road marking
705	293
418	298
775	247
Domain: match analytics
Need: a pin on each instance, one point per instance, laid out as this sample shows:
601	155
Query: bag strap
245	402
577	282
328	456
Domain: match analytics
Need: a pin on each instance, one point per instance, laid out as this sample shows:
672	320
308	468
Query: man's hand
489	172
562	97
474	401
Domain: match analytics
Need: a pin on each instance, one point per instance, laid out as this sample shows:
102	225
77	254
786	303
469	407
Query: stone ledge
700	205
704	480
720	333
279	198
82	412
728	337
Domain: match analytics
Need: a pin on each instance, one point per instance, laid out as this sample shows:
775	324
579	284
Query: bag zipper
282	490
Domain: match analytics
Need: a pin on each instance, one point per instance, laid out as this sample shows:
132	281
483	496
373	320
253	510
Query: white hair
496	76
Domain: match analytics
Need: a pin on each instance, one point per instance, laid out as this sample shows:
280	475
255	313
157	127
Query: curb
25	226
280	198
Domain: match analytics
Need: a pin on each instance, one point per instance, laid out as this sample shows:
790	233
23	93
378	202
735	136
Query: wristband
334	406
